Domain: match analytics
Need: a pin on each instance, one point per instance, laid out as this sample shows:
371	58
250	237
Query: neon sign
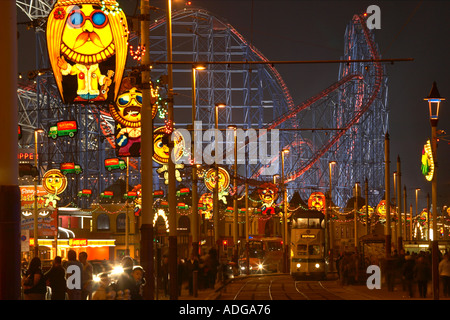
427	165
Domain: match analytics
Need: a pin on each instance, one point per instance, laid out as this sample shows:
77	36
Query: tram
265	255
307	247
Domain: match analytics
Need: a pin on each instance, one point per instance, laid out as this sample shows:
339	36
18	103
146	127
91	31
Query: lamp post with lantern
434	100
285	205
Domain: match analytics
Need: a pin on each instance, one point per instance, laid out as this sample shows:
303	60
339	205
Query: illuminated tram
307	247
265	255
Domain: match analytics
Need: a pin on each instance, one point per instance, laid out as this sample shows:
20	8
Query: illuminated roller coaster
350	115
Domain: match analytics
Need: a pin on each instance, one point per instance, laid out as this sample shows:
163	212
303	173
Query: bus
307	247
265	255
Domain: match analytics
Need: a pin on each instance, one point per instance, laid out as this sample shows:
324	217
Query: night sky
314	30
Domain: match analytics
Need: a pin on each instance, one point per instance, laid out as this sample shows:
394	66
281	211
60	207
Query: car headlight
317	266
117	270
298	265
260	266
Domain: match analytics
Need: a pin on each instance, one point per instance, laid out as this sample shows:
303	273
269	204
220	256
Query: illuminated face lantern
54	181
161	146
224	179
316	201
87	46
268	193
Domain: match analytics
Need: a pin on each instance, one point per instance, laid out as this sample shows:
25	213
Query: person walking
444	273
136	291
422	274
408	274
88	270
74	276
104	290
33	282
56	280
191	266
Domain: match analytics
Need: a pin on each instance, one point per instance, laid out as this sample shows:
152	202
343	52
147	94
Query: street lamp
36	216
329	231
417	199
195	218
216	169
434	100
285	205
235	206
355	217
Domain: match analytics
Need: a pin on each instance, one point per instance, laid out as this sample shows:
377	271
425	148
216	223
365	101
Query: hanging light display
87	48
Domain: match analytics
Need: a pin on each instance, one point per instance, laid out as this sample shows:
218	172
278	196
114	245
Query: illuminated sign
308	236
427	165
268	193
70	167
87	42
161	145
78	242
54	181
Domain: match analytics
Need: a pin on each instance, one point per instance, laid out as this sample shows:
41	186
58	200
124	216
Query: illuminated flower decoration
59	14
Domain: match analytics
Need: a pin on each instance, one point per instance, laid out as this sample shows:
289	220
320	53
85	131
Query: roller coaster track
358	115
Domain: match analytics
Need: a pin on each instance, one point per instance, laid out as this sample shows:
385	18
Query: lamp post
355	217
235	206
216	169
434	100
285	205
36	216
417	200
195	219
330	231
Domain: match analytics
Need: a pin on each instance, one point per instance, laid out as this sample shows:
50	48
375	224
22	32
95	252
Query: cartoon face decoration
161	146
268	193
87	46
316	201
127	116
54	181
224	179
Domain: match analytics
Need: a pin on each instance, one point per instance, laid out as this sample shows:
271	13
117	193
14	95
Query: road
280	287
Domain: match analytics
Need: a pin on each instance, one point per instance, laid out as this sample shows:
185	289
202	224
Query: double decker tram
307	247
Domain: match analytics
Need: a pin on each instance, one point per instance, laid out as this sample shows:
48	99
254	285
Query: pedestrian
444	273
56	280
125	283
191	267
408	274
74	276
390	273
104	290
212	265
136	291
33	282
165	275
422	274
88	273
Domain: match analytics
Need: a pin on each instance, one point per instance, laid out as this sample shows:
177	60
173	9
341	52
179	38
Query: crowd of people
411	270
53	284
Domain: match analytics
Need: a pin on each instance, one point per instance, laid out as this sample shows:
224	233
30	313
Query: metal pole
355	218
387	229
127	224
331	227
216	185
366	191
147	214
36	215
195	219
399	206
235	204
246	225
405	229
173	259
435	244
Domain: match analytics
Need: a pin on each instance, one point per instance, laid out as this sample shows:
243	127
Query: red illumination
224	242
188	3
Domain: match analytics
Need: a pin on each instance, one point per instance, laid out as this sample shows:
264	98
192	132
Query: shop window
103	222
